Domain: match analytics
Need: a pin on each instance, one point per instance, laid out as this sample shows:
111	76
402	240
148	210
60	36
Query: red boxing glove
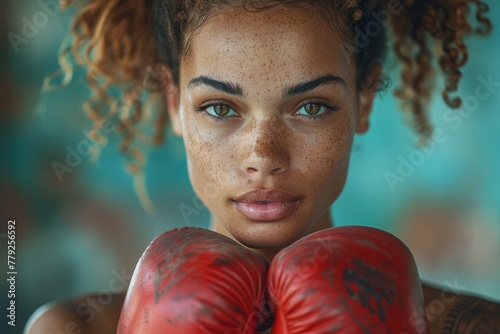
193	281
346	280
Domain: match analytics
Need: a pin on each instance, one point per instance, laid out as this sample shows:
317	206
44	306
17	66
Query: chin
266	236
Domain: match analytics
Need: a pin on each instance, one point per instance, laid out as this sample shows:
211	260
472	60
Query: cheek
207	159
327	158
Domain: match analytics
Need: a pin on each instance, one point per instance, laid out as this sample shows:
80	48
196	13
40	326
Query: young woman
267	96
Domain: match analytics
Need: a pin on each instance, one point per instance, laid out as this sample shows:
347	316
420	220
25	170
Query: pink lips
266	205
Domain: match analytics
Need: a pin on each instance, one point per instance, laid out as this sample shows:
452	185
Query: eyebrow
235	89
225	86
314	83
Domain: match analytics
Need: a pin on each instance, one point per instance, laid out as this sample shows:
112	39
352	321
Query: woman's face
268	101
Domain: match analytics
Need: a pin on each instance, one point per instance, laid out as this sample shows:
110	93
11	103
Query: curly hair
121	43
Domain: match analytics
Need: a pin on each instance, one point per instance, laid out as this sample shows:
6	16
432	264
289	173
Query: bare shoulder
91	313
450	311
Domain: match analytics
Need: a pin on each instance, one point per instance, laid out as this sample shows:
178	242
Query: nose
266	149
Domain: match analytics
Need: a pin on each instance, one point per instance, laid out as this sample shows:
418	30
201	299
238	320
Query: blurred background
80	231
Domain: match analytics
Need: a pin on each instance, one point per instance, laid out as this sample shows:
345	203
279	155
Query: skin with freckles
268	100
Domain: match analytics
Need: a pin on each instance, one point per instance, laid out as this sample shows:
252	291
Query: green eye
312	109
220	110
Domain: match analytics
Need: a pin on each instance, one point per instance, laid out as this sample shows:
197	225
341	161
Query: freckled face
267	101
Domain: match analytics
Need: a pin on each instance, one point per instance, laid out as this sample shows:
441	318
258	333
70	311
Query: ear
366	97
365	104
172	97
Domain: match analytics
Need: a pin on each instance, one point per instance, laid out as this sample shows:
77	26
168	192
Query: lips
267	205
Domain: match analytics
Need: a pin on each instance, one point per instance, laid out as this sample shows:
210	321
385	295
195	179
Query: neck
323	223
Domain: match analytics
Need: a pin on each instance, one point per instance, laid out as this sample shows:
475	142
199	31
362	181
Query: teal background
73	236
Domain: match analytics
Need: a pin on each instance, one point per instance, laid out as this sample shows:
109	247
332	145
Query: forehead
295	42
